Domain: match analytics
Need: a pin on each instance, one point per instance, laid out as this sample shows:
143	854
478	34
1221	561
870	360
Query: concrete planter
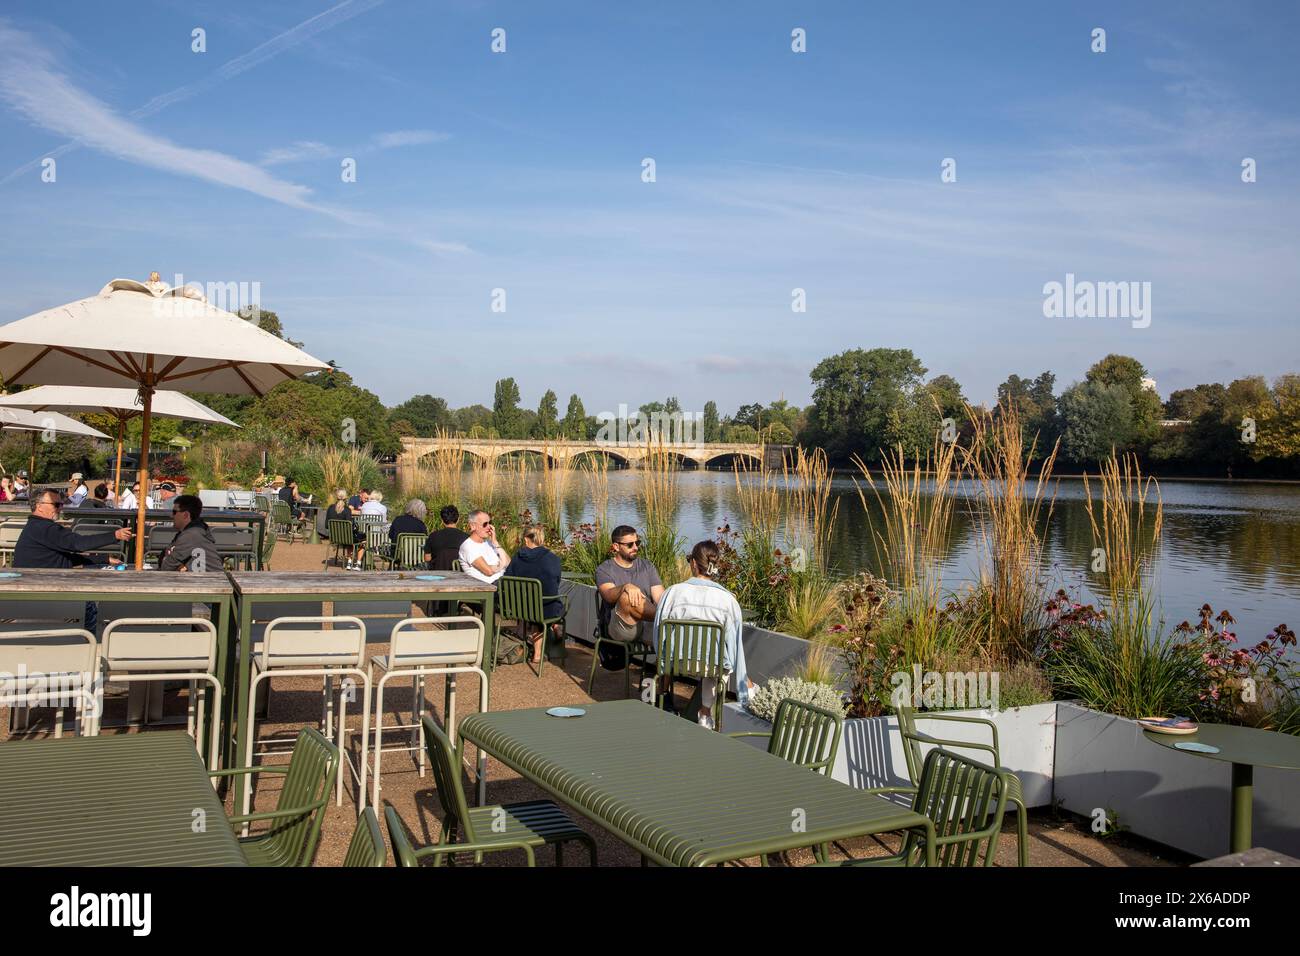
1181	800
871	752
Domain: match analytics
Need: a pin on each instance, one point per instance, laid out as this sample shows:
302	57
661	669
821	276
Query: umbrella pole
31	468
117	475
147	391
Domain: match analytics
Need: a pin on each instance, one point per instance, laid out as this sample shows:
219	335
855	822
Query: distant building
1149	384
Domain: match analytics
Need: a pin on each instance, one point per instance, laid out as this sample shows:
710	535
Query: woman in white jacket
701	598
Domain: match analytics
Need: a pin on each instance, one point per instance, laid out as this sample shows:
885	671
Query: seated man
630	587
99	499
44	543
193	548
480	555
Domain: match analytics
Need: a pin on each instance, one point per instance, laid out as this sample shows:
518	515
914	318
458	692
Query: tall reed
342	466
916	506
810	513
482	481
437	476
1126	527
658	495
1012	520
551	489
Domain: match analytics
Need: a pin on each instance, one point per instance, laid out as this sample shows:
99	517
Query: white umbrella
148	336
120	403
18	419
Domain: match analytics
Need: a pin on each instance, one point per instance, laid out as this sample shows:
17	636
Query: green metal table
680	794
131	586
321	587
1245	748
128	800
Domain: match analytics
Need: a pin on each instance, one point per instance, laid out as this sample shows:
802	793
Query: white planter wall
1174	798
871	751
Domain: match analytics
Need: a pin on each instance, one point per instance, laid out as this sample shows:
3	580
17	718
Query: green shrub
766	699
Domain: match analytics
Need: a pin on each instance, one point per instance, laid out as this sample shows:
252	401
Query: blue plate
431	577
10	574
566	711
1197	748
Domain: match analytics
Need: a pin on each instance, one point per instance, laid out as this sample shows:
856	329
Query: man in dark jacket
193	548
44	543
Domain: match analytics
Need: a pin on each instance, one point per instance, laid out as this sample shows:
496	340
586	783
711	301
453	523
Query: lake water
1233	545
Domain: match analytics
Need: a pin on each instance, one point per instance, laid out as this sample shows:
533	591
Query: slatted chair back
160	644
403	850
911	746
805	735
520	599
413	643
367	846
690	649
339	645
965	800
307	786
268	548
408	553
446	777
232	540
30	659
280	512
159	537
262	503
341	532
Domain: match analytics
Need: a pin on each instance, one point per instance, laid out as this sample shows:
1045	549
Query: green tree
574	425
1147	409
1278	430
860	399
506	418
267	321
1096	419
1035	401
712	426
548	413
426	414
471	418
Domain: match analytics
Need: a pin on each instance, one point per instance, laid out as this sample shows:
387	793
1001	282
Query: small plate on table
566	712
1177	726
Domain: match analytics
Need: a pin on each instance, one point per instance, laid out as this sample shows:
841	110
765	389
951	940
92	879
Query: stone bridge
563	452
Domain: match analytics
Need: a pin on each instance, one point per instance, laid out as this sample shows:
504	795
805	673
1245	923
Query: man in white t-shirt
480	555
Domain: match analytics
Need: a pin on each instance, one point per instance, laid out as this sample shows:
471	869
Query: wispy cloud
290	38
304	150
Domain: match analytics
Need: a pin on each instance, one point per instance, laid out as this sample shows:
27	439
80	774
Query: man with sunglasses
193	548
630	587
44	543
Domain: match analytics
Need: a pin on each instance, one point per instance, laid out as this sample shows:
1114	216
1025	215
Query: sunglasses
628	544
56	505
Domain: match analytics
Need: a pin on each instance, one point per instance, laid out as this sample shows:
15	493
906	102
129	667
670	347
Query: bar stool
455	648
287	651
52	668
168	648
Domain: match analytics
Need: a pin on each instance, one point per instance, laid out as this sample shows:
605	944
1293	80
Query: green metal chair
691	649
804	735
283	521
405	853
342	536
296	820
913	739
268	548
367	846
965	801
533	823
634	652
521	600
408	552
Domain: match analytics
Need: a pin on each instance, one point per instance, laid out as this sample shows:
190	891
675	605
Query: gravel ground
1054	841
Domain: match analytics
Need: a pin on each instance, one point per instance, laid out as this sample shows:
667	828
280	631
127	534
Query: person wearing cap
21	486
77	490
44	543
166	492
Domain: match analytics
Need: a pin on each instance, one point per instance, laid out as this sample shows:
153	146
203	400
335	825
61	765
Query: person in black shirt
443	546
99	499
535	560
411	522
44	543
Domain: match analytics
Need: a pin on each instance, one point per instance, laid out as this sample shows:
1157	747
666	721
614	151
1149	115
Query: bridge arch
751	458
622	460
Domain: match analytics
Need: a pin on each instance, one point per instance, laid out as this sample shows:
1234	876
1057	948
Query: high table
125	800
680	794
103	586
318	587
1245	748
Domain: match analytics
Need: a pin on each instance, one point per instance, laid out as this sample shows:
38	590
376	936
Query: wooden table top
130	581
356	582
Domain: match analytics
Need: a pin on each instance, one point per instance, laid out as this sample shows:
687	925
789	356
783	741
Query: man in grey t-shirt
630	587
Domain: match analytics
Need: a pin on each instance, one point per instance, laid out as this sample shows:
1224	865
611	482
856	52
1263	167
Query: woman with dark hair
701	598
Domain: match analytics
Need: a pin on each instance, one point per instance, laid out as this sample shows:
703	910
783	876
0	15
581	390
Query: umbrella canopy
20	419
149	337
121	403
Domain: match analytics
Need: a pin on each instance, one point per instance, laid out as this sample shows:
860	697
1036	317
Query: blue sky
775	171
